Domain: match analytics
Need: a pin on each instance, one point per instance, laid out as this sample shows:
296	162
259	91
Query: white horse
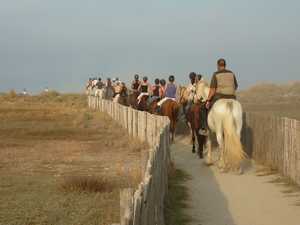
225	120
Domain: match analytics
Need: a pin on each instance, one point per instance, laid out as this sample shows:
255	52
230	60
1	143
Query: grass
176	201
272	99
60	163
88	184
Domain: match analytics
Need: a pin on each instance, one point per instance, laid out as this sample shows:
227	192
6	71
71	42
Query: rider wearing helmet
162	90
155	88
135	83
144	89
108	82
171	91
100	84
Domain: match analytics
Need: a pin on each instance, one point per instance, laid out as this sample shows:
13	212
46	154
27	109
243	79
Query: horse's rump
225	117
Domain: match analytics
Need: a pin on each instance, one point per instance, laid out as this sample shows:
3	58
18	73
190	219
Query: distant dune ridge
276	99
271	92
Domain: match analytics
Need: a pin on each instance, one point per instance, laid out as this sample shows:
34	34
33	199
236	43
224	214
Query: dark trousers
203	117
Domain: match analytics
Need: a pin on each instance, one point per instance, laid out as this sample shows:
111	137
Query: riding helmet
192	75
136	77
199	76
145	78
156	81
171	78
163	82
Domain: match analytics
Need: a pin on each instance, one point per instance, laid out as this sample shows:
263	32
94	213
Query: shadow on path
208	205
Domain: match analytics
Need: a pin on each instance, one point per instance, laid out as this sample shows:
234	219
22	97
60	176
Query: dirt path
227	199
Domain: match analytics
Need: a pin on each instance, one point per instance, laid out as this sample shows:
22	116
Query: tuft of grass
176	201
88	184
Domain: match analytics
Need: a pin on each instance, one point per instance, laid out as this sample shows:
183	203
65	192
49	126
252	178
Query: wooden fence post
126	206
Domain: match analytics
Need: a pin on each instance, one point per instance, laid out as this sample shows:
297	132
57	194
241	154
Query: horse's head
202	89
183	95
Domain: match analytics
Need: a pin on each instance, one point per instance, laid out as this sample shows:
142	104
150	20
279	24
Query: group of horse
224	120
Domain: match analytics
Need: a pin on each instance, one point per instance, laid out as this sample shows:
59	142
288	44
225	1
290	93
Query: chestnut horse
143	104
169	108
192	116
132	99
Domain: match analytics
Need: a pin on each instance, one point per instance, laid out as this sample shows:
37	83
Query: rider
108	83
155	90
118	87
170	92
199	77
100	84
135	83
191	90
223	84
162	89
144	89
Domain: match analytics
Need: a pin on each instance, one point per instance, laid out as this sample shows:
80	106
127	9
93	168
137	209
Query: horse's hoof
209	163
240	171
200	154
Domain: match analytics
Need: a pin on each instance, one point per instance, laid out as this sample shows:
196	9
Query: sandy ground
228	199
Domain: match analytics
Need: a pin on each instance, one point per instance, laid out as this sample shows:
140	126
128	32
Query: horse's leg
172	126
201	141
220	139
193	139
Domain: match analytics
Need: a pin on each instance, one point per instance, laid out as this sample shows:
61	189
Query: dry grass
282	100
88	184
61	164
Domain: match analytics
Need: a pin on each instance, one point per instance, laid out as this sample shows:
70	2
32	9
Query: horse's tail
175	111
233	149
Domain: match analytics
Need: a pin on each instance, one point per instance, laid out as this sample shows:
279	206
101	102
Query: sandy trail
228	199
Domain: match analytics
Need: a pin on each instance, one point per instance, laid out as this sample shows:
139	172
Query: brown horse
193	119
132	99
143	104
169	108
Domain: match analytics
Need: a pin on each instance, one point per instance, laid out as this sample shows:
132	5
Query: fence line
269	140
146	204
275	142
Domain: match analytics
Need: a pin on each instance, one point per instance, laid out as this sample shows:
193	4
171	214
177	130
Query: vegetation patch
176	202
61	163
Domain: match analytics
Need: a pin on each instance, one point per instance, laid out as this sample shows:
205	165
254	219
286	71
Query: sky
61	43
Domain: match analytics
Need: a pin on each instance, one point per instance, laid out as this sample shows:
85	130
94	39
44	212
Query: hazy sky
60	43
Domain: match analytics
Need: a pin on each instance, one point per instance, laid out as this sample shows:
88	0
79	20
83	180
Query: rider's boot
203	124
